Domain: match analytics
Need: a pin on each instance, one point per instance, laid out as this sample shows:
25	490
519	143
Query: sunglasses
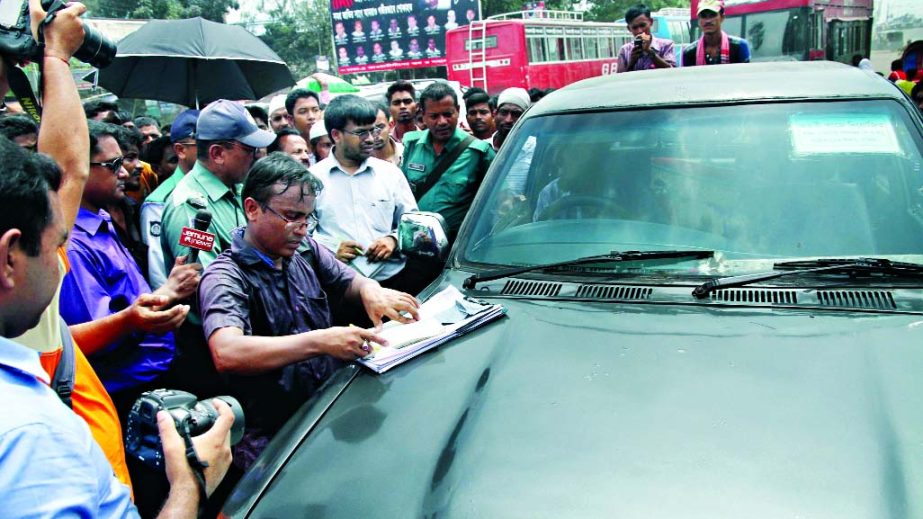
113	165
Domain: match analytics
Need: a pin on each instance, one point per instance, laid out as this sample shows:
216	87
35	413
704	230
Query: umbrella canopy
335	85
194	62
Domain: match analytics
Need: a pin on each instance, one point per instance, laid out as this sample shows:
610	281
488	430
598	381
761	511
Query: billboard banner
371	36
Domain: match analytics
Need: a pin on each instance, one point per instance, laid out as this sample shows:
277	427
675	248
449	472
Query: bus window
536	50
778	33
605	49
555	49
591	48
817	26
574	48
489	42
679	31
840	41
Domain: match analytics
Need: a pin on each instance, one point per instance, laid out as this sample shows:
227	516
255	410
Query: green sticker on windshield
843	133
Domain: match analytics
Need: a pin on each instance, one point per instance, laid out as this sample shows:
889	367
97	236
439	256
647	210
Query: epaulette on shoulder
478	144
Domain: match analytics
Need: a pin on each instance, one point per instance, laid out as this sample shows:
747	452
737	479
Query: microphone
201	222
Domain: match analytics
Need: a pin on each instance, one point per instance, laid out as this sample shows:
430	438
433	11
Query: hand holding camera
212	447
161	422
57	25
63	37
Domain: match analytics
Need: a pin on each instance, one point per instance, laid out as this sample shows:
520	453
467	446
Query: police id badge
416	167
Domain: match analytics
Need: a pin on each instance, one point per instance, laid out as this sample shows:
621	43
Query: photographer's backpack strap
63	381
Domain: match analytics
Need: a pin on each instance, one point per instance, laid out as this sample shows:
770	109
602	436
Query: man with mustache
266	303
480	114
403	103
511	104
290	142
105	283
443	163
715	47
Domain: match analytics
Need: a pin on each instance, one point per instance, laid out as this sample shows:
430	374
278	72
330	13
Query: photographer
646	51
51	463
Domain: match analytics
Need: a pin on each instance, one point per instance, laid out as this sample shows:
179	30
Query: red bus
800	30
540	49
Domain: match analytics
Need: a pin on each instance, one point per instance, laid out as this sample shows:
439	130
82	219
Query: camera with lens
17	44
192	417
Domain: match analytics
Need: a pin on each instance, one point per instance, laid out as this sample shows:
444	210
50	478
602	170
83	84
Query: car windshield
757	183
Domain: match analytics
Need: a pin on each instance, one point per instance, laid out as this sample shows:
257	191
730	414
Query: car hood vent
875	299
756	295
515	287
621	292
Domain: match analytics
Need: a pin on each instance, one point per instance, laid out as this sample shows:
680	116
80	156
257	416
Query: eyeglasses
364	133
308	222
246	149
112	165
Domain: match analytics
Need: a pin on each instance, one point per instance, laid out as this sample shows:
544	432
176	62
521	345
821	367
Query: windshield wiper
793	268
632	255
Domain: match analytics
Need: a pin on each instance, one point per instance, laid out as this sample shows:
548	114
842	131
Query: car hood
601	410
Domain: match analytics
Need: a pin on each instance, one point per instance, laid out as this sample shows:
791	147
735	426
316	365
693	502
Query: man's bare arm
64	135
234	352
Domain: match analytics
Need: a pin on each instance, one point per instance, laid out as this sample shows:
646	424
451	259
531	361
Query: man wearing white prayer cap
511	104
278	115
320	141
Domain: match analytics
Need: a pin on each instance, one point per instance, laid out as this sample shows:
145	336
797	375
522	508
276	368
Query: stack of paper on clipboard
445	316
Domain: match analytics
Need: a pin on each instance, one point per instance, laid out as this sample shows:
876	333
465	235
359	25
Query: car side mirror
422	235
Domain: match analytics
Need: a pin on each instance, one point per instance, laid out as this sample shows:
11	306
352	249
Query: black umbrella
194	62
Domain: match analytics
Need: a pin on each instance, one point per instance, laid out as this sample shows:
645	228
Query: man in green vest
444	164
182	136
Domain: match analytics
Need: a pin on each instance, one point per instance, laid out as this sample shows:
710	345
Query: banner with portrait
371	36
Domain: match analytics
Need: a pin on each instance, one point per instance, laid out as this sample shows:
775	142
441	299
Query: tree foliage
298	30
612	10
214	10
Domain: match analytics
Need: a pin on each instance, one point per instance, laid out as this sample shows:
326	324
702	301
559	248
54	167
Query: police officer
443	163
227	141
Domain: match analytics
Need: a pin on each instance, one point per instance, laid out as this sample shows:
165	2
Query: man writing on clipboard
266	304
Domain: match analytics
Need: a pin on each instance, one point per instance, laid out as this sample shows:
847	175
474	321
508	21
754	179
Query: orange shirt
90	400
92	403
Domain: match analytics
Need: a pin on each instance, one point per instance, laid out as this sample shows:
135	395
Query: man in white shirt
363	197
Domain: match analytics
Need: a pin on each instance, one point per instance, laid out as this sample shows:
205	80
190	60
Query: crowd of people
303	202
